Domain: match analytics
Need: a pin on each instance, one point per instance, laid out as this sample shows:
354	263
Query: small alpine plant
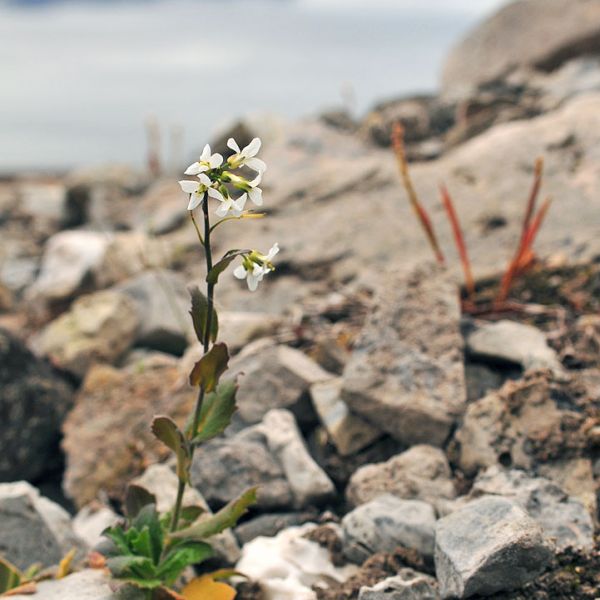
151	550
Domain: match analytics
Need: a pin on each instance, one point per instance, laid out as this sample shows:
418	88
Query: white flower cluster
213	173
214	178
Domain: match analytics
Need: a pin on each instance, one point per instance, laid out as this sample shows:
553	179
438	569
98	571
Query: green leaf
10	576
135	569
217	410
170	435
180	557
210	367
136	498
147	520
189	514
225	518
228	257
199	312
118	536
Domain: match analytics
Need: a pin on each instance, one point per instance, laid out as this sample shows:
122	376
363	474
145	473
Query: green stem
210	292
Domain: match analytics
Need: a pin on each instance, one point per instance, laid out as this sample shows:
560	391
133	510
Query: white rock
91	521
347	431
309	483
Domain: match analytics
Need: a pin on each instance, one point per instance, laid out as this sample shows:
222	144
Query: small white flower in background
255	266
207	162
247	156
232	206
197	190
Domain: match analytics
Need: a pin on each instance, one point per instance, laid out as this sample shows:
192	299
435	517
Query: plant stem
210	292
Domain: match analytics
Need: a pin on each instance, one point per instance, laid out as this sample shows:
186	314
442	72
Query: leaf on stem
208	370
199	312
136	498
217	409
227	517
64	566
10	576
170	435
228	257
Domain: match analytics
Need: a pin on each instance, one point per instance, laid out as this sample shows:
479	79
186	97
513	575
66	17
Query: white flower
247	156
197	190
255	266
229	205
253	273
207	161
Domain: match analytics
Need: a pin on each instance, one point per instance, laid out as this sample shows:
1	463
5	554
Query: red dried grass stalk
400	152
524	255
459	240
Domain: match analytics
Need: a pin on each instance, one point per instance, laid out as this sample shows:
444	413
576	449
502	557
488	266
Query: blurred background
80	79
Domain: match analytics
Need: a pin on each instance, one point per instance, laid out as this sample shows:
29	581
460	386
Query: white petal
216	160
273	252
252	148
195	200
231	143
256	165
193	169
240	272
256	181
205	180
215	194
205	156
256	196
238	205
223	208
189	187
252	282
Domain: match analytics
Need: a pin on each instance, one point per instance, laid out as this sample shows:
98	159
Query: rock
564	520
161	481
224	468
46	201
348	432
537	33
421	473
308	482
33	403
69	261
407	585
98	328
406	375
269	525
481	380
527	422
6	298
89	584
107	437
386	523
163	302
33	529
490	545
91	521
509	341
275	377
237	329
288	565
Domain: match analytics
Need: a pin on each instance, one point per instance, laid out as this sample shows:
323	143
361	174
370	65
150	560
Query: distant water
79	79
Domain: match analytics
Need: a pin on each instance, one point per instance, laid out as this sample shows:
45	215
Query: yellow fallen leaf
64	567
206	588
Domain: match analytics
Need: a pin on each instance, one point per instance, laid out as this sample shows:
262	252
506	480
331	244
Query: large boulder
33	403
98	328
406	375
33	529
490	545
536	33
107	437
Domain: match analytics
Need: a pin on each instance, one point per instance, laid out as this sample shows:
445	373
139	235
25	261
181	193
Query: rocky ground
406	444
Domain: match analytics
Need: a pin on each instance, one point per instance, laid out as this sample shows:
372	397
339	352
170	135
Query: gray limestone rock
386	523
489	545
406	585
406	375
